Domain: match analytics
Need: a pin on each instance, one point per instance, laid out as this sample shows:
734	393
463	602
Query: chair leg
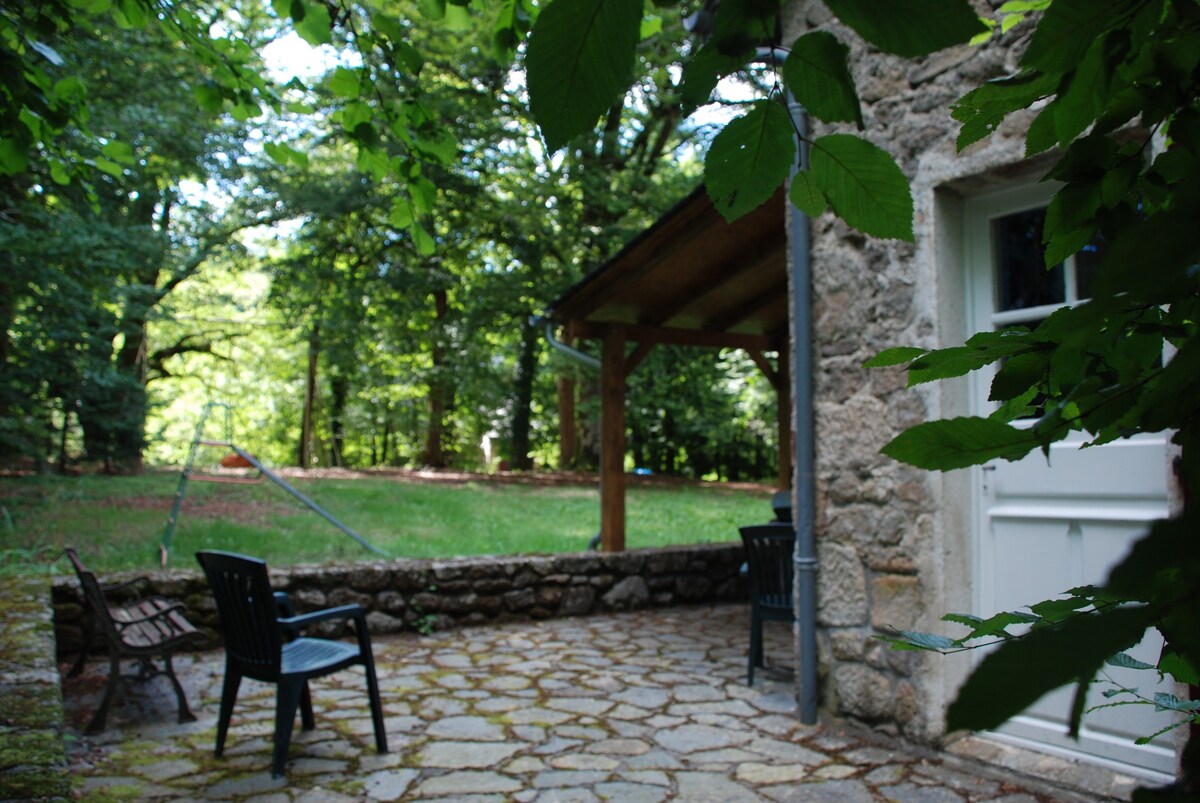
185	713
755	646
287	700
89	632
233	680
110	691
306	712
376	705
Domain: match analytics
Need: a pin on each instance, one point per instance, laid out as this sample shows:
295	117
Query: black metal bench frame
143	629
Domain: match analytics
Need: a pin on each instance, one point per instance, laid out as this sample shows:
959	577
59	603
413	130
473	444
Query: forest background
348	247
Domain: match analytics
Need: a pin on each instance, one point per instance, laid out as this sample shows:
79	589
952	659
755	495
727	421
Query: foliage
1115	86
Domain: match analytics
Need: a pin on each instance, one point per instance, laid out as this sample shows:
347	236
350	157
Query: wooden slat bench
143	629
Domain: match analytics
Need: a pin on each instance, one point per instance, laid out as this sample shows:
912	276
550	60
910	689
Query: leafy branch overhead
580	53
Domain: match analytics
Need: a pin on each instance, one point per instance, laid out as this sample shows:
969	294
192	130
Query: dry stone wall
427	595
893	542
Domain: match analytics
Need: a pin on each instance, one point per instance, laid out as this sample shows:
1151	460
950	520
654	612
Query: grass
117	522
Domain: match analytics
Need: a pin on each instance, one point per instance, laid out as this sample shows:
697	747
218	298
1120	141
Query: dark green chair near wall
261	644
770	564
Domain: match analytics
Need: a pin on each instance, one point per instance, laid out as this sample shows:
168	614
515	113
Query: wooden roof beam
676	337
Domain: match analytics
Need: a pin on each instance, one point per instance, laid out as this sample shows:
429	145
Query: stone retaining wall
32	758
425	595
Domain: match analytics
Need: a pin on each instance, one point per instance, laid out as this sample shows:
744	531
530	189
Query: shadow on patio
644	706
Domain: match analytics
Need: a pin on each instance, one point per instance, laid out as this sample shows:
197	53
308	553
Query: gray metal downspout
573	353
804	508
805	474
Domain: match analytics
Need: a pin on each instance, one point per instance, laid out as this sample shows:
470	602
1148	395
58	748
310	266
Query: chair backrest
93	593
246	605
769	557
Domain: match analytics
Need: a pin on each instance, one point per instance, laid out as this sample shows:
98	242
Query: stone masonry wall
33	761
433	595
893	541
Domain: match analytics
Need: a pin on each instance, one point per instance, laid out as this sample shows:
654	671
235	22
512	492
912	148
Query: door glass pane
1022	280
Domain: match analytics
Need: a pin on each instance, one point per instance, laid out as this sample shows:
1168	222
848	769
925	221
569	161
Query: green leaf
749	159
894	356
345	82
1169	702
1127	661
1020	671
278	153
864	185
959	442
652	25
703	71
922	641
817	73
14	156
961	360
118	152
59	172
806	195
910	27
401	214
458	18
580	59
1069	28
209	97
1081	100
422	240
995	626
108	166
1177	665
423	194
315	26
983	109
432	9
1018	374
1056	610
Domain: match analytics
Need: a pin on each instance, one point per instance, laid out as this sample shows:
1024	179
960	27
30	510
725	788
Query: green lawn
117	522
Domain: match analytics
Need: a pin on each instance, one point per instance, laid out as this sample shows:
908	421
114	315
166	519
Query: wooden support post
612	441
779	377
567	433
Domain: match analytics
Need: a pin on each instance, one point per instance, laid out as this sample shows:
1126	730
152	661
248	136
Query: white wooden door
1043	527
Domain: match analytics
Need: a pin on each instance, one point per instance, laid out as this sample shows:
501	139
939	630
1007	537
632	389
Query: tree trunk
304	453
521	460
339	387
434	455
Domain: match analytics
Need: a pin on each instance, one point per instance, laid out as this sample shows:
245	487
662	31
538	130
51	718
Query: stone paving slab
646	706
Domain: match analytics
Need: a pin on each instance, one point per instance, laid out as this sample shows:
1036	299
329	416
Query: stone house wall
894	543
427	595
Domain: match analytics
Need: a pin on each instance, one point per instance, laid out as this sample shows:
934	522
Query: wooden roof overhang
691	279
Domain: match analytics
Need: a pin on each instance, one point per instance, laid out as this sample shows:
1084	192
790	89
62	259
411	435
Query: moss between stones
32	756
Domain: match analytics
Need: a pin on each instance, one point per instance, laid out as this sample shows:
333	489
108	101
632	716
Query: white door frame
1155	761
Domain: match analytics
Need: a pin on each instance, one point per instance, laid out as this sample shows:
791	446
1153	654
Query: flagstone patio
646	706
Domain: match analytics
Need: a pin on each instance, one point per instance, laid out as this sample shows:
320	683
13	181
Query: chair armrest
340	612
283	603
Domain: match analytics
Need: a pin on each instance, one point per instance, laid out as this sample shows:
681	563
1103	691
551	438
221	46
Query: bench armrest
158	613
128	584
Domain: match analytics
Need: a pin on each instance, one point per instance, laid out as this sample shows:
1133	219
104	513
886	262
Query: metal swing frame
189	473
